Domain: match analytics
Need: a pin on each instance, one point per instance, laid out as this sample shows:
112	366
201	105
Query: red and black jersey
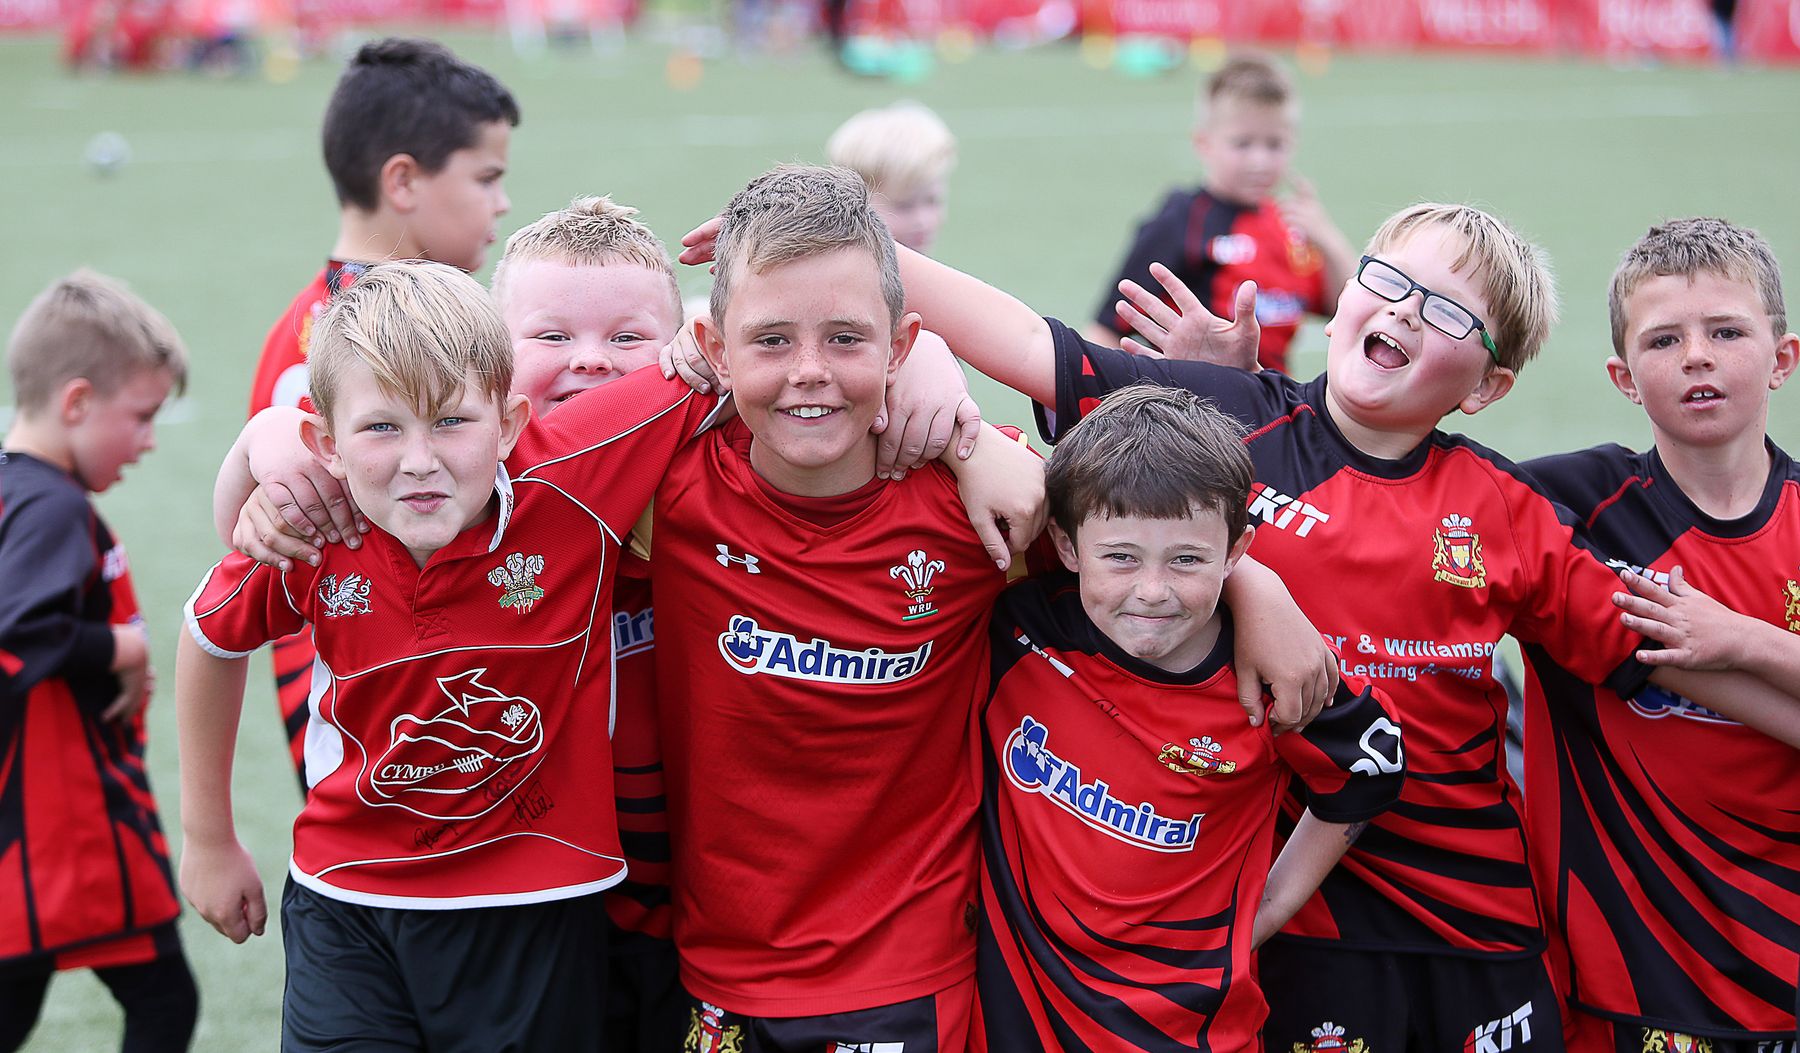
819	665
468	762
1414	569
1127	828
1213	247
83	861
281	380
640	903
1667	837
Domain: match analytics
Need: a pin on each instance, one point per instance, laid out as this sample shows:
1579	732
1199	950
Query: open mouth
1703	396
808	412
1384	351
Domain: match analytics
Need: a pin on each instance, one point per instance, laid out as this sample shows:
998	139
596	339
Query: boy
1679	889
821	656
1431	927
416	143
904	152
1115	924
1232	230
86	868
447	864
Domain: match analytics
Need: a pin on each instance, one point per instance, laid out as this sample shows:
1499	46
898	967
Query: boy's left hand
263	534
927	406
681	357
131	664
1697	632
1188	330
1276	645
697	245
1002	489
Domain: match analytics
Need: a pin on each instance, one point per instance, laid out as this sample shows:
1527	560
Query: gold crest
1329	1038
1200	757
708	1032
1456	554
1793	606
1657	1041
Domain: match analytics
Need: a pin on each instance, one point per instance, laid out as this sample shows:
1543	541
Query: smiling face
575	326
809	349
1152	585
454	212
1391	376
1701	357
423	479
1246	147
108	432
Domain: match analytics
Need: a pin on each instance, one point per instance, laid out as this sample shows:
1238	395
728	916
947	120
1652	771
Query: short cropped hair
88	326
405	96
794	212
1513	274
896	149
1154	452
1249	77
1687	247
591	232
422	329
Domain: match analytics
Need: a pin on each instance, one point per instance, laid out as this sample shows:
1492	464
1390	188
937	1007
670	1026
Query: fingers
260	536
1251	698
681	357
1140	303
994	540
968	426
256	911
1183	297
904	442
697	244
1141	350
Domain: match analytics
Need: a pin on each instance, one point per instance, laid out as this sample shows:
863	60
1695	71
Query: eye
552	337
380	427
1729	332
772	341
451	422
1661	341
847	339
1122	559
1188	560
627	338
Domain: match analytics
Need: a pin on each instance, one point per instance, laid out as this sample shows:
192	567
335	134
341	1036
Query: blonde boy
1232	240
1431	928
459	824
89	885
1678	891
904	152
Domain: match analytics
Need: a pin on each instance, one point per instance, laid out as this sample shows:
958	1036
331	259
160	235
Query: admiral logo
1656	703
343	601
1497	1036
916	573
1228	249
751	649
1456	554
1030	766
1329	1038
633	631
1283	512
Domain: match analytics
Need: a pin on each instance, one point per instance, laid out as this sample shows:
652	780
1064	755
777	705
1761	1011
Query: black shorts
646	1009
933	1023
1425	1003
489	979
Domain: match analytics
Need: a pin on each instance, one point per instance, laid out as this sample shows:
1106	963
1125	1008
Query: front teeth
807	412
1390	341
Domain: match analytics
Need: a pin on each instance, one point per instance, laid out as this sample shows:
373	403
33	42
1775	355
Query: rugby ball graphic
480	733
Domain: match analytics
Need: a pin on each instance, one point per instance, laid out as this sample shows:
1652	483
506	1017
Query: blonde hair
794	212
1687	247
88	326
591	232
895	149
1247	77
422	329
1512	274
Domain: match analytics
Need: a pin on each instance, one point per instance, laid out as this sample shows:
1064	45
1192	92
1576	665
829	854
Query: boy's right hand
221	882
1188	330
263	534
697	245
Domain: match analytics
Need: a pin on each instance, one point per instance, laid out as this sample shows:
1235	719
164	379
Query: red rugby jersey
1214	247
468	761
1128	826
819	665
83	860
1667	837
640	903
1414	569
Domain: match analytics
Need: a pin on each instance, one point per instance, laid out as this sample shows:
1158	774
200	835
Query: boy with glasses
1430	930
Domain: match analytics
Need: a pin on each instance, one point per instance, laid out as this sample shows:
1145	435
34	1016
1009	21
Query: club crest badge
1793	606
1329	1038
915	576
1200	757
347	599
1658	1041
517	578
708	1032
1456	554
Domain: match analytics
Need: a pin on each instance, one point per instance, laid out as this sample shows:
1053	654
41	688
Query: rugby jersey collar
1368	464
1781	470
1209	667
503	488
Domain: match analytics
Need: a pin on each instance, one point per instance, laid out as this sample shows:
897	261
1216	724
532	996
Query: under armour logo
726	559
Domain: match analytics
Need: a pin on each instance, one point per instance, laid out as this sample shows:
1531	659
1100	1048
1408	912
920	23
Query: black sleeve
1350	758
46	558
1159	239
1087	372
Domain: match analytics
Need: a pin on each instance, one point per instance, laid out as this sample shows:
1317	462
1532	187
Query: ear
515	413
904	335
316	434
1238	548
710	338
75	401
1620	375
1065	547
1493	387
1787	354
398	182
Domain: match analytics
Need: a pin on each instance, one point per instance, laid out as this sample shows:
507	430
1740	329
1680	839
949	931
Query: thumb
988	530
1250	696
1246	302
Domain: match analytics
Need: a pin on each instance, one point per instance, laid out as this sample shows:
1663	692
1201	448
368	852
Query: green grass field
224	212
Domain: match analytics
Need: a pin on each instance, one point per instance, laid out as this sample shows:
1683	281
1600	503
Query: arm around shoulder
989	329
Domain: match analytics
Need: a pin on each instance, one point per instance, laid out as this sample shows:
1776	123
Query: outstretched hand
697	245
1697	632
1188	330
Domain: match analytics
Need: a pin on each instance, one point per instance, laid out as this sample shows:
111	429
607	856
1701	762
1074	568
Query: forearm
235	480
1315	847
1770	652
989	329
209	696
1741	696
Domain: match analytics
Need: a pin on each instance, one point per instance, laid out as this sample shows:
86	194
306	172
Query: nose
502	203
808	367
418	457
1698	354
590	359
1152	586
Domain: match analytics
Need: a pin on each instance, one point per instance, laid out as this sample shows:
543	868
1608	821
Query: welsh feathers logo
1456	554
517	578
433	761
916	574
1329	1038
349	598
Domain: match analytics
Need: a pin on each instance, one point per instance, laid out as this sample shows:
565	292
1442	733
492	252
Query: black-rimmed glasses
1444	314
